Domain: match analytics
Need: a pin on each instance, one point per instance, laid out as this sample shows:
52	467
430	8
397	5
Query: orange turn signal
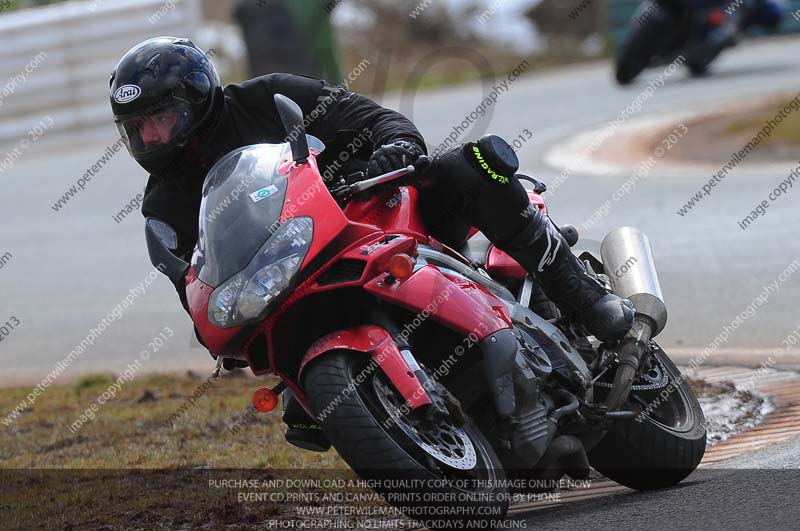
265	400
400	266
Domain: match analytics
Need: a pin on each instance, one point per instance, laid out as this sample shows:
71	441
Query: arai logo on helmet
127	93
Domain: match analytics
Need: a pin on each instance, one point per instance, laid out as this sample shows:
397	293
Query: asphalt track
70	268
756	491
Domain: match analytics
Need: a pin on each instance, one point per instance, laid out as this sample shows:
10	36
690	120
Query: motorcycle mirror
292	118
161	240
164	232
538	186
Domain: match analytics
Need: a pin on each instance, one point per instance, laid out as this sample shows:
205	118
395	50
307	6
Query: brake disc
442	440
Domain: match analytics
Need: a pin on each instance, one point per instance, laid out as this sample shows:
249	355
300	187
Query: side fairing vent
345	270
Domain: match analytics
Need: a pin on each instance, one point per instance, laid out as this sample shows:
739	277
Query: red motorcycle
420	361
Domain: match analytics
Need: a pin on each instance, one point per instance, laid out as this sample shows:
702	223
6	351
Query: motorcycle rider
177	120
765	13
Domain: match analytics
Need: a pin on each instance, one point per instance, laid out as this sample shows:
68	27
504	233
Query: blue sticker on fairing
263	193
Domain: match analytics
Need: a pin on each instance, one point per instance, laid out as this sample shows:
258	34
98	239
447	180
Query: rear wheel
665	443
364	417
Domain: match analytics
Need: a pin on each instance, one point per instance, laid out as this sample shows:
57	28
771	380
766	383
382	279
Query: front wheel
698	68
662	445
640	47
452	474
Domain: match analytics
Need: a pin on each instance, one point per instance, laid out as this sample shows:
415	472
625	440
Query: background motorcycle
663	30
422	362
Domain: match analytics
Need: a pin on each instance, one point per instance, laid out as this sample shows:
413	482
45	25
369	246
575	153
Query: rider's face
157	129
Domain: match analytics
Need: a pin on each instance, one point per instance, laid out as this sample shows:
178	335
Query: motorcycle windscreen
243	196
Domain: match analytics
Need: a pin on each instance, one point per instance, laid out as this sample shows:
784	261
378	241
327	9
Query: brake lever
420	165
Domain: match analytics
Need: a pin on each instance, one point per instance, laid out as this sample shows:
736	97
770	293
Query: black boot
308	437
543	252
475	185
302	430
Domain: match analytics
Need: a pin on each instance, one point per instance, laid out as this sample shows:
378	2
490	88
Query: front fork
438	405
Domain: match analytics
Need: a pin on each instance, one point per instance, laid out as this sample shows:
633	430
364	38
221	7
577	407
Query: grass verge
134	429
143	462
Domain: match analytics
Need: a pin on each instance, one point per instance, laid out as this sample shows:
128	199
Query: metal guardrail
56	60
620	13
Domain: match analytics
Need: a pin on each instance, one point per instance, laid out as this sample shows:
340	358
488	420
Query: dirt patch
729	412
714	138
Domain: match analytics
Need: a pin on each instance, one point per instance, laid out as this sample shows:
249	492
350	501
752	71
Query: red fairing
498	263
306	195
375	252
198	295
537	201
360	233
452	301
396	212
377	342
365	239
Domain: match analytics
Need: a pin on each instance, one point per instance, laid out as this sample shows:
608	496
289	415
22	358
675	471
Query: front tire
663	445
698	68
371	441
639	48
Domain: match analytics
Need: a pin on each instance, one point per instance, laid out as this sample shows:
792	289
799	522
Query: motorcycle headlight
249	294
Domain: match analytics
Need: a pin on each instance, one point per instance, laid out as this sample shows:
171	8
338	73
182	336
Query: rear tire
363	433
653	454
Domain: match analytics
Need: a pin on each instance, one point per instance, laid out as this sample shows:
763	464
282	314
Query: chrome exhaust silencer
629	265
628	262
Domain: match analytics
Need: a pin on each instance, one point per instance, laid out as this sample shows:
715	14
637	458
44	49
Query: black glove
392	157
